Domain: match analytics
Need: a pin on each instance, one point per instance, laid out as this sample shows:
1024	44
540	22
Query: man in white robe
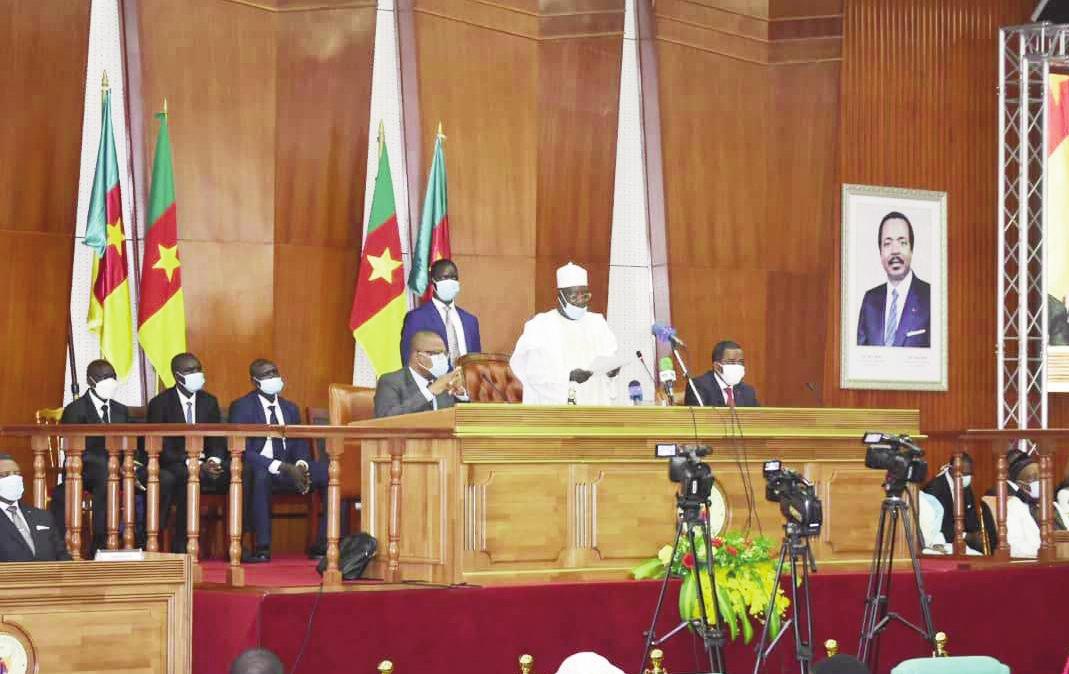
555	353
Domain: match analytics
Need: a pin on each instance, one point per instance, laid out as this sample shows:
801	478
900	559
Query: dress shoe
257	557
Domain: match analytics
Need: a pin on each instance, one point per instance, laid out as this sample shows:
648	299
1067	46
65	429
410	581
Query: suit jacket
426	317
48	544
914	328
83	411
398	393
712	396
166	408
940	488
249	410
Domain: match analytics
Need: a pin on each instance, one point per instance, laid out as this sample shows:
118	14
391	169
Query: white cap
587	663
570	276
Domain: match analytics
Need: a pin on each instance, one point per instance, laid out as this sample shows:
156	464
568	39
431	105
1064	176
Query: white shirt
267	449
454	318
424	388
191	401
903	290
100	405
551	346
723	387
930	521
1022	532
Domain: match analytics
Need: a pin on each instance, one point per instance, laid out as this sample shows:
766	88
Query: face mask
732	373
105	388
1033	488
966	480
570	310
194	381
439	364
11	487
447	289
271	385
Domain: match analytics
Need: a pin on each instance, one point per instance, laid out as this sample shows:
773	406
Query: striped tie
892	320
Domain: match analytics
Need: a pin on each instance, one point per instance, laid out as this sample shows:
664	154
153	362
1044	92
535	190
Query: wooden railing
121	441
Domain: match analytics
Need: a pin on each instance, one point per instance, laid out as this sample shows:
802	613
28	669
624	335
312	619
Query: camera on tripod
685	467
796	496
897	455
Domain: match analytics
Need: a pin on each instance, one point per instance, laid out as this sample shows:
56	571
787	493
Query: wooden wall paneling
43	46
498	290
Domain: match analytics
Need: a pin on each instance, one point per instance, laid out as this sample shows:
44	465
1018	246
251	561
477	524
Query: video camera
796	497
898	456
685	467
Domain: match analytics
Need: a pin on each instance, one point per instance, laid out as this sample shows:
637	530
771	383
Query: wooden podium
491	493
99	616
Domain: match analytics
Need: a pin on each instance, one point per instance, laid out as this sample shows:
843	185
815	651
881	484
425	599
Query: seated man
457	328
942	488
274	464
95	407
722	386
187	403
1022	506
27	534
425	384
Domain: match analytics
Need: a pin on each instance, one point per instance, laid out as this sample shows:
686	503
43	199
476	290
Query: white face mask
966	480
732	373
439	364
194	381
105	388
447	289
271	385
11	487
570	310
1033	488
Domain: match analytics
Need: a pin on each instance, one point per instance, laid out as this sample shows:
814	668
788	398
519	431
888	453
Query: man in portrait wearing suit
896	313
722	386
275	464
424	384
95	407
187	403
27	534
457	328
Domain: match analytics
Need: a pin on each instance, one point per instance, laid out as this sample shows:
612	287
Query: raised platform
1008	613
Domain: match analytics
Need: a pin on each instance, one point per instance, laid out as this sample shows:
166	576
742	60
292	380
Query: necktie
451	334
20	524
189	412
276	444
729	396
892	320
104	416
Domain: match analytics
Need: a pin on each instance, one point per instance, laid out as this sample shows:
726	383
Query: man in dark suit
187	403
95	407
27	534
274	464
896	313
722	386
457	328
942	488
425	384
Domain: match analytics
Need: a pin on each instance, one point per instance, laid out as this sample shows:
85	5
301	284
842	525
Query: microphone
487	380
634	389
646	367
666	333
668	379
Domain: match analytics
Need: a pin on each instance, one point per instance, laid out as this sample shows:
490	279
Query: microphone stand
686	375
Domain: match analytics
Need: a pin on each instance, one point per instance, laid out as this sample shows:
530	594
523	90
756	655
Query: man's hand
579	376
299	475
213	468
447	382
613	373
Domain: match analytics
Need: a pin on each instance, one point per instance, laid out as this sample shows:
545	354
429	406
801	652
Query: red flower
732	550
717	542
688	560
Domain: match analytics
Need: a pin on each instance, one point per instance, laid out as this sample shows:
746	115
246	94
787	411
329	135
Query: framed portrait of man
894	289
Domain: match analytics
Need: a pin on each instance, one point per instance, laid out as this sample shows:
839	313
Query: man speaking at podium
555	356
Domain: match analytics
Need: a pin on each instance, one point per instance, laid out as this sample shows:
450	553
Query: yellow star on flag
115	236
383	266
168	261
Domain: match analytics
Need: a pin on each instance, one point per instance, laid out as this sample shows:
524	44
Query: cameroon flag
432	244
109	316
379	303
162	319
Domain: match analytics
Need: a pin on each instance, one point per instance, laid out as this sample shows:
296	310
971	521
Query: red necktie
729	396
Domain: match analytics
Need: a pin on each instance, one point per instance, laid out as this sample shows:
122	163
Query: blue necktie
892	320
189	412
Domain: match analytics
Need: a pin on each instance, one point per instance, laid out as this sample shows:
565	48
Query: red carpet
1006	613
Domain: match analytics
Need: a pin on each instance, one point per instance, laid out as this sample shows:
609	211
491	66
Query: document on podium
606	364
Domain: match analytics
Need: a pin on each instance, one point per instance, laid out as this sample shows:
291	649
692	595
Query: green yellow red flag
432	244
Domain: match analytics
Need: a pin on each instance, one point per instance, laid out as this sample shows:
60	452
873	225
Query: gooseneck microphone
667	376
634	390
666	333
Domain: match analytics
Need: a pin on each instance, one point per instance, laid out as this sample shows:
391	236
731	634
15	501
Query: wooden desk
507	493
103	616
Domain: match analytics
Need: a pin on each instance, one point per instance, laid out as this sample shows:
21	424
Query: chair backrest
974	664
350	403
50	416
318	416
489	379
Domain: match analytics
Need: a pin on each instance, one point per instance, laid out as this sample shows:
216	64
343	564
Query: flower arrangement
745	573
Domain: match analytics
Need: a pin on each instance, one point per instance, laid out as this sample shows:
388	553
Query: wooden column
1001	474
959	505
335	448
73	490
194	446
235	573
152	497
112	542
39	444
393	546
129	448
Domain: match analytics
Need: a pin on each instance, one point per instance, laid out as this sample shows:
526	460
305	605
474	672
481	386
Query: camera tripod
795	546
711	634
877	614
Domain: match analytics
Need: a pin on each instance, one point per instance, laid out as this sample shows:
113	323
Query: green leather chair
974	664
